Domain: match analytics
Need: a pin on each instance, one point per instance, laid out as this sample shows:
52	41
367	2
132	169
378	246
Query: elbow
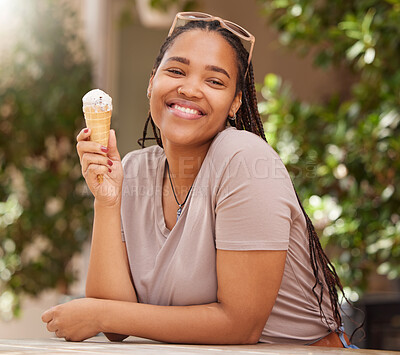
244	335
249	330
242	329
253	338
249	337
244	339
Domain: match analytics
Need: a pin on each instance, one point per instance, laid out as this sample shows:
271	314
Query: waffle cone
99	124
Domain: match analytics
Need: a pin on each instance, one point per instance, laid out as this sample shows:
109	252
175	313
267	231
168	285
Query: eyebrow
179	59
208	67
217	69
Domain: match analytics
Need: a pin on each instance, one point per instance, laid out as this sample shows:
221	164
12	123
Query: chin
177	138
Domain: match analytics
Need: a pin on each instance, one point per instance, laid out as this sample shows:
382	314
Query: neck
184	164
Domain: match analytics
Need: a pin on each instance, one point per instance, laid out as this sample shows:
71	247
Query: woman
216	247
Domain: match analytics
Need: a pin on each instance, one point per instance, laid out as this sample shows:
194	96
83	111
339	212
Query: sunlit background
328	82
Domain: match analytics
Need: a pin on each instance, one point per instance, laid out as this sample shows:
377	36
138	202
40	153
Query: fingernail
110	162
104	149
109	170
86	130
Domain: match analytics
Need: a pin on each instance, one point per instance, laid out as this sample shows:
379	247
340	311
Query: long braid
253	95
248	118
142	140
155	131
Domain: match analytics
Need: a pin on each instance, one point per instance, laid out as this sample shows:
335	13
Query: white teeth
186	110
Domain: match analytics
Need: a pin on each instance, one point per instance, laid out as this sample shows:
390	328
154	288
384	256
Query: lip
187	104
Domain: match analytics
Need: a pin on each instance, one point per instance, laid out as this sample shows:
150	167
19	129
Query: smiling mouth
186	109
190	111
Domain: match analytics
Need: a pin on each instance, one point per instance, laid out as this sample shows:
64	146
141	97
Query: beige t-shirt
241	199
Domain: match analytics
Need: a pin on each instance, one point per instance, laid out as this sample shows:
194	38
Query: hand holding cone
97	108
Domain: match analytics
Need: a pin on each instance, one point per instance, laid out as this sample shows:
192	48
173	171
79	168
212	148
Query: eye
216	82
175	71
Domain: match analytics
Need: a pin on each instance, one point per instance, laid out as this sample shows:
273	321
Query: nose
190	89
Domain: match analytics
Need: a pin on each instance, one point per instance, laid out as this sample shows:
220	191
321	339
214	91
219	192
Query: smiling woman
201	238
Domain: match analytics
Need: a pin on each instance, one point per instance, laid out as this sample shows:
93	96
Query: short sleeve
255	201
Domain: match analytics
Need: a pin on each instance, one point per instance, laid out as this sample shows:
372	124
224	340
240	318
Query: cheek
221	102
155	102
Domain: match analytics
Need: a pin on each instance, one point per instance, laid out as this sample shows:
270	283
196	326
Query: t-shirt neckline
158	210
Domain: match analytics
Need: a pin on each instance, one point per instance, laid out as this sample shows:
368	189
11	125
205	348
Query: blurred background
328	81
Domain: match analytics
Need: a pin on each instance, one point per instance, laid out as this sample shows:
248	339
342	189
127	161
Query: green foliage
344	154
45	215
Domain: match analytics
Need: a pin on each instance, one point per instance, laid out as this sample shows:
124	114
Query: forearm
200	324
108	274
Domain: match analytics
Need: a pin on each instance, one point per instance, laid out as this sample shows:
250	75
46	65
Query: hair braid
248	118
253	95
144	134
319	258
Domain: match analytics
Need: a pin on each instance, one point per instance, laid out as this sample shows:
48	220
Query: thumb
113	153
47	316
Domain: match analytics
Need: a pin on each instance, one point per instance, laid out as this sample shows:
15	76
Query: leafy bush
344	154
45	215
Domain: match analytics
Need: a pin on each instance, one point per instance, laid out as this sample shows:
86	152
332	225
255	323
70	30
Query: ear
237	102
150	86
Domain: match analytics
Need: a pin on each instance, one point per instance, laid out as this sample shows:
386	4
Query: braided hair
248	118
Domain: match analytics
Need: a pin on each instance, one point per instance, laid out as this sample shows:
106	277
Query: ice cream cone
97	108
99	123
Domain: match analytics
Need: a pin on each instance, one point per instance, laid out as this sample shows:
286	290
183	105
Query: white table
132	345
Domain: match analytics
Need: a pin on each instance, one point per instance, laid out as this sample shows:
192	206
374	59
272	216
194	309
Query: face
193	90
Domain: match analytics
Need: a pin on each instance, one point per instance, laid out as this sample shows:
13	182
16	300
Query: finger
51	327
47	316
83	135
83	147
94	170
58	334
90	158
112	146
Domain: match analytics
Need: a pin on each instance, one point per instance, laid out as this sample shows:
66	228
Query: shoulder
232	143
241	157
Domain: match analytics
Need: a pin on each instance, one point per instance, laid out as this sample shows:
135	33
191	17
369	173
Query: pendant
178	213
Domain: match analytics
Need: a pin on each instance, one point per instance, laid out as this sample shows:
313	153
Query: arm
248	283
108	275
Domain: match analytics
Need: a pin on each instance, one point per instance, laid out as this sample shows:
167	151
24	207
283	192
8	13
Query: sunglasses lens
198	17
193	16
234	27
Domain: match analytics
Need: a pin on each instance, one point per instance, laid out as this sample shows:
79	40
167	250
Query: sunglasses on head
182	18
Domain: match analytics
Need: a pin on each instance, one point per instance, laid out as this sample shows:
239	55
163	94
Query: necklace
179	211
